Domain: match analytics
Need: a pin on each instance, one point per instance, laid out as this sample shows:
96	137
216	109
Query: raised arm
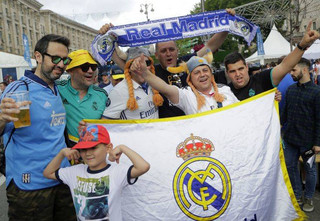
116	58
293	58
139	67
55	163
215	42
115	55
140	166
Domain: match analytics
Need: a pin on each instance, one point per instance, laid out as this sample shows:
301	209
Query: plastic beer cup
24	115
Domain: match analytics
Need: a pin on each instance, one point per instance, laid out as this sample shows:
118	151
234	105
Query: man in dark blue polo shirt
302	132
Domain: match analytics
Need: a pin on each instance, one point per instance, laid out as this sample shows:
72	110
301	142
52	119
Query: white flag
224	164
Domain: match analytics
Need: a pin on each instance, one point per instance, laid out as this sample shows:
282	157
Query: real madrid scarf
170	29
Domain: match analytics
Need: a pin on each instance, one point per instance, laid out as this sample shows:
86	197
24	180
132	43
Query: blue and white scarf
170	29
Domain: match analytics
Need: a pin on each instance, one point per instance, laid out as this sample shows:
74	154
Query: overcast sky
119	12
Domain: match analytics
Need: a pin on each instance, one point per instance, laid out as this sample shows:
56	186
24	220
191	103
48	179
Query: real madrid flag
224	164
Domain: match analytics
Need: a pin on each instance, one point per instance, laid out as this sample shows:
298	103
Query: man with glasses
81	99
29	149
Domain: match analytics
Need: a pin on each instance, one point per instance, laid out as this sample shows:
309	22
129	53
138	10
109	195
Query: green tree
212	5
185	45
232	41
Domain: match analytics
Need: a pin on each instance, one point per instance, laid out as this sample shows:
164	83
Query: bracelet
301	48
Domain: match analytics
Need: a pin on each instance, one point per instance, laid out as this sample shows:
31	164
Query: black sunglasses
56	59
85	67
148	62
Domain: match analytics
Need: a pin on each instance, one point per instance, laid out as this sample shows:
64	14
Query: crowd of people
38	162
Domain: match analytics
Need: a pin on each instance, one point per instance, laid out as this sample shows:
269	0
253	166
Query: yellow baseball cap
117	76
80	57
116	72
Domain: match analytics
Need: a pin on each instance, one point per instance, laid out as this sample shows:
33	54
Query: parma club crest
201	185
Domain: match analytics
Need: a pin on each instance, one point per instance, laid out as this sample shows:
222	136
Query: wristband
301	48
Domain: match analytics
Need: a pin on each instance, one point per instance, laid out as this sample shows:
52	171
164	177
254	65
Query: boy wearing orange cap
96	186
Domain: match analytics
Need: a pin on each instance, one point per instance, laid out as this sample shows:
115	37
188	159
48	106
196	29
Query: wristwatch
301	48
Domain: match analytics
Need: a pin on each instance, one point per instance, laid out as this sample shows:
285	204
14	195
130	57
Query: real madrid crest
201	185
243	27
105	44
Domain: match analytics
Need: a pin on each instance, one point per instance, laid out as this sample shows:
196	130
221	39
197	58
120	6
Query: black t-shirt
167	110
220	77
257	84
180	80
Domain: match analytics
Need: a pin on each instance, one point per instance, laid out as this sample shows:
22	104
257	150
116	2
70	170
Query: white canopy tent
13	63
314	51
275	46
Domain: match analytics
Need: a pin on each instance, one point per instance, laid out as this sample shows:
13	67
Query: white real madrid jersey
119	96
188	101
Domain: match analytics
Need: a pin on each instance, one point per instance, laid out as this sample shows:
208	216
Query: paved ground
3	201
314	216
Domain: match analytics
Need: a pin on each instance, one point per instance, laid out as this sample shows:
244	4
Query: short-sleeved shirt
32	148
96	194
118	99
167	109
108	88
188	100
91	106
220	77
257	84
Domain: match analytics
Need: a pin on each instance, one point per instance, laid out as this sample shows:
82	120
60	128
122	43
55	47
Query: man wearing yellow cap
81	99
117	75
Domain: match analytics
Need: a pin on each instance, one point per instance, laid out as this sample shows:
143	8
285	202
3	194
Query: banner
170	29
260	42
26	54
224	164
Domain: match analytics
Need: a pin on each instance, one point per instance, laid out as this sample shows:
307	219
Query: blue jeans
292	154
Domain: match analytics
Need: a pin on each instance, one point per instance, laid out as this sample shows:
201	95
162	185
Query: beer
24	118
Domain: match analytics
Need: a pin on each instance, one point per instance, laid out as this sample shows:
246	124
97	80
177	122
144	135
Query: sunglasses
148	63
85	67
56	59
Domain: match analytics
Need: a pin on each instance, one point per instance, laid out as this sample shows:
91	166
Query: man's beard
48	74
297	78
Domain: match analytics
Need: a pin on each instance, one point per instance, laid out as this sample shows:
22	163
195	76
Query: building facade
18	17
301	13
